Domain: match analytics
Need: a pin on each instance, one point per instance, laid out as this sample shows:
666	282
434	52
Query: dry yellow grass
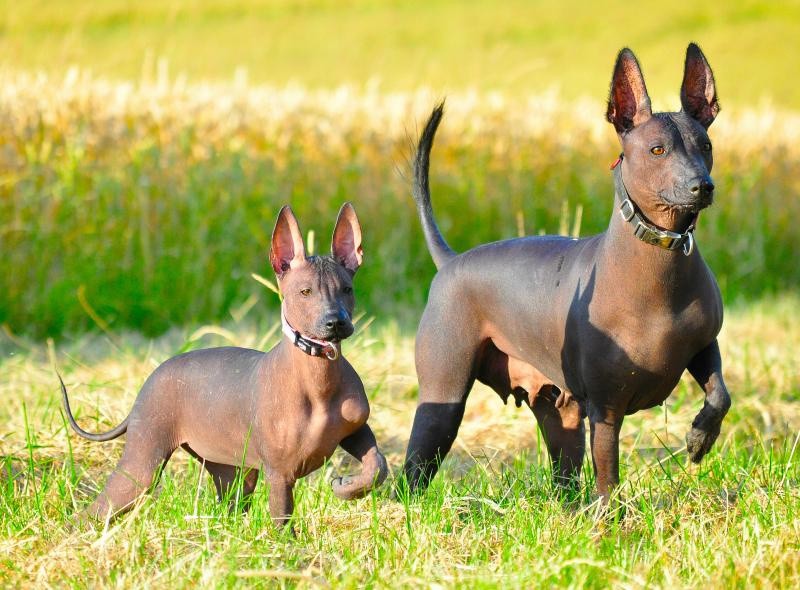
730	520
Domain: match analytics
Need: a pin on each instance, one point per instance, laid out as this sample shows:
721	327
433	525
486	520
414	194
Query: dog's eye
657	150
707	146
305	292
348	290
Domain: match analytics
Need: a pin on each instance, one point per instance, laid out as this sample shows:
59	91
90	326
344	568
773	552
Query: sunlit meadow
149	205
134	214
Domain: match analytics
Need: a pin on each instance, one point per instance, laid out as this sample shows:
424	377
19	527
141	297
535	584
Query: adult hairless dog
601	326
238	410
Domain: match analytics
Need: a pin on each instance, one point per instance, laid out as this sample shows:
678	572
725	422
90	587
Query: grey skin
241	411
599	327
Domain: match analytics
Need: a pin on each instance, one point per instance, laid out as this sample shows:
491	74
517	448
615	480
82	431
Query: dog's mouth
692	205
693	208
337	335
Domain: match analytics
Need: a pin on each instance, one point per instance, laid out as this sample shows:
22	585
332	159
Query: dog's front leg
281	500
604	438
361	445
706	368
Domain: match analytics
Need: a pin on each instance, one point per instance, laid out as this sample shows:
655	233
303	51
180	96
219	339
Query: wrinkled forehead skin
672	130
319	272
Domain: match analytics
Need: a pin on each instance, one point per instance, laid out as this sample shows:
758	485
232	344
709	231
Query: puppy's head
317	291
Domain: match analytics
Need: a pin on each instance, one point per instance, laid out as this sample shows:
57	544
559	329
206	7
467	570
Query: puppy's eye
707	146
348	290
657	150
305	292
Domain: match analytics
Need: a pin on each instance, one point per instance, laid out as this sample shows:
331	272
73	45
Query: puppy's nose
338	322
702	188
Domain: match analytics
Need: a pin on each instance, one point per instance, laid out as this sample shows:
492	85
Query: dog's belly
239	453
508	375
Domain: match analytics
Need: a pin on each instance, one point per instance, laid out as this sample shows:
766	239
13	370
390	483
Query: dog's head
317	291
667	156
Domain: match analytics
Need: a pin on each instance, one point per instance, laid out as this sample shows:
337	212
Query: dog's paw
699	442
345	488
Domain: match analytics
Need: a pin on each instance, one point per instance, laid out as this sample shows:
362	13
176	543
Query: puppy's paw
699	441
345	488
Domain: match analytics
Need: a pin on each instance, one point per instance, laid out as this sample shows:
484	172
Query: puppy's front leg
706	368
281	500
361	445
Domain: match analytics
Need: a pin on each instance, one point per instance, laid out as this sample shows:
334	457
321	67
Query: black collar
642	228
310	346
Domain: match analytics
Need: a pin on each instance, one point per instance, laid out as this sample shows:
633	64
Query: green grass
148	206
489	520
516	47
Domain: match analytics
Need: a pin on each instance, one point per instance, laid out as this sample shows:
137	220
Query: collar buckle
627	210
310	346
655	236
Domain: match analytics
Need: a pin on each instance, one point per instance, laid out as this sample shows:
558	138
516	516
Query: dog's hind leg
224	478
141	462
558	414
561	423
446	371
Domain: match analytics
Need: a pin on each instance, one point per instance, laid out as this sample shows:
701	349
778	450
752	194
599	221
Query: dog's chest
307	443
640	358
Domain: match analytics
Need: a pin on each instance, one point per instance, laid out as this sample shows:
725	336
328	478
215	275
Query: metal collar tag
647	232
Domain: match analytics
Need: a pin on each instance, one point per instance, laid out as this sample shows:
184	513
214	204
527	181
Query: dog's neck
319	376
645	266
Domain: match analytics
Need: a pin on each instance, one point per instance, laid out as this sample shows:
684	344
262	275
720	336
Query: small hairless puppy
239	411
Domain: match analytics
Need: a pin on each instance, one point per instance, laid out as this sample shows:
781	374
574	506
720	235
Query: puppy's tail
99	437
437	246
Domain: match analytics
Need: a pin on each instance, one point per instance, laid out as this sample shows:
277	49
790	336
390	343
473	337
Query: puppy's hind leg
225	479
142	459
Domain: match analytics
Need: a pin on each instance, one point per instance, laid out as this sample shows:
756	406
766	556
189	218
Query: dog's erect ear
628	101
698	91
346	243
287	249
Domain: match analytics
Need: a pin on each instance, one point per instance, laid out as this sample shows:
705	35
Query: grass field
490	520
148	206
145	150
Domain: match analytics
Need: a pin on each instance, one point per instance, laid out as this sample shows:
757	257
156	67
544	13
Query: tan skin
241	411
599	327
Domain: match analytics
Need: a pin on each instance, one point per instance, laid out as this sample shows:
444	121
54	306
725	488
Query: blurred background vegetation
146	147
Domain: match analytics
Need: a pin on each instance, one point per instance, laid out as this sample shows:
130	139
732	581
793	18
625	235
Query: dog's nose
339	322
702	188
336	324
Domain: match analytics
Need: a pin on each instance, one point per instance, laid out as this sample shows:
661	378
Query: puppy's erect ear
346	243
287	249
698	91
628	101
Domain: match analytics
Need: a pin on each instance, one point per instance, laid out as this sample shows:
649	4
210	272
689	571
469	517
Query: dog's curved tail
437	246
98	437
